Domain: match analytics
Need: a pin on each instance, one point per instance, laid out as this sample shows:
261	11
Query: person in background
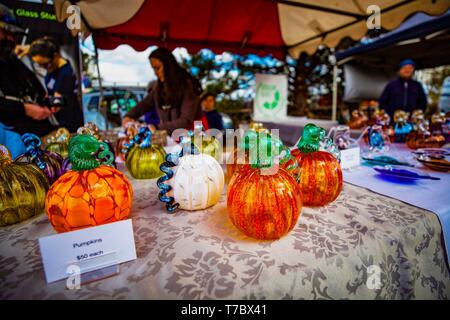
174	95
86	80
403	93
60	80
21	93
208	103
151	117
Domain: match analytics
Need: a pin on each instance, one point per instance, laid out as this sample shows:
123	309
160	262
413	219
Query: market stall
319	218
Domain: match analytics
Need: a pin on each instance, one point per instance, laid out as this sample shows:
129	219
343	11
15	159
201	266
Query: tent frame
359	19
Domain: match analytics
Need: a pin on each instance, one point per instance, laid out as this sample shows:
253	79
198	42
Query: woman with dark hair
60	80
174	96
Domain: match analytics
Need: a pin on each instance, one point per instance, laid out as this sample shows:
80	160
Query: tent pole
100	85
80	75
335	93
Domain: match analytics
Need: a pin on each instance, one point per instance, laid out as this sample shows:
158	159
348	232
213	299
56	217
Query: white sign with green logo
270	97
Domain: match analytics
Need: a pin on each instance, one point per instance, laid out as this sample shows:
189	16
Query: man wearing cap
20	90
403	93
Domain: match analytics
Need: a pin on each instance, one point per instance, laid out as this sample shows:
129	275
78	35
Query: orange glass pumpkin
264	207
264	200
91	193
422	137
319	173
358	120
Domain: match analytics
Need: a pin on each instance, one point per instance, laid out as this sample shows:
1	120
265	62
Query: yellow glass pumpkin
142	158
58	142
207	142
22	189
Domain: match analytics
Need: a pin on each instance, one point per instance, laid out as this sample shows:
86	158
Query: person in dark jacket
403	93
21	93
208	103
60	80
174	96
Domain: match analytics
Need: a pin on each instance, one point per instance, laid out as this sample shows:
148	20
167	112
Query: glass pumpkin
50	163
205	143
401	127
264	207
358	120
22	189
376	138
58	142
210	146
438	124
422	137
341	137
92	193
142	158
91	129
58	147
124	137
263	200
191	181
383	119
319	173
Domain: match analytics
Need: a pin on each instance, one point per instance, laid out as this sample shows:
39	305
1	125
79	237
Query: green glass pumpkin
142	158
22	189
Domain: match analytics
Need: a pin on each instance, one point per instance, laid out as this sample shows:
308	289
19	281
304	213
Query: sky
126	66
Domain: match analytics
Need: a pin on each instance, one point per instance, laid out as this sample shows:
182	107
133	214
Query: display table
291	128
200	255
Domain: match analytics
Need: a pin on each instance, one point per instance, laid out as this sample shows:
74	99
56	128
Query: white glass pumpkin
197	183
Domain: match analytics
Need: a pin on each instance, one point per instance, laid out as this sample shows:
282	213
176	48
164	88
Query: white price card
87	249
350	158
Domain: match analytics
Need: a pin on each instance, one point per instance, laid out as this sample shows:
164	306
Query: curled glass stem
172	160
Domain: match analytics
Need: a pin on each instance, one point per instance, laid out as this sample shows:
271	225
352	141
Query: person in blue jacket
213	117
403	93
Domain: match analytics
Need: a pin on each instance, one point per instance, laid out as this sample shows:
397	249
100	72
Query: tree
231	78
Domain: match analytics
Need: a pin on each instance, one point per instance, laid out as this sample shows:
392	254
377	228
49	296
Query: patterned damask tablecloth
200	255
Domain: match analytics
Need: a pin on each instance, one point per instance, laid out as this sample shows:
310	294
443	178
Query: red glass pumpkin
319	174
263	206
